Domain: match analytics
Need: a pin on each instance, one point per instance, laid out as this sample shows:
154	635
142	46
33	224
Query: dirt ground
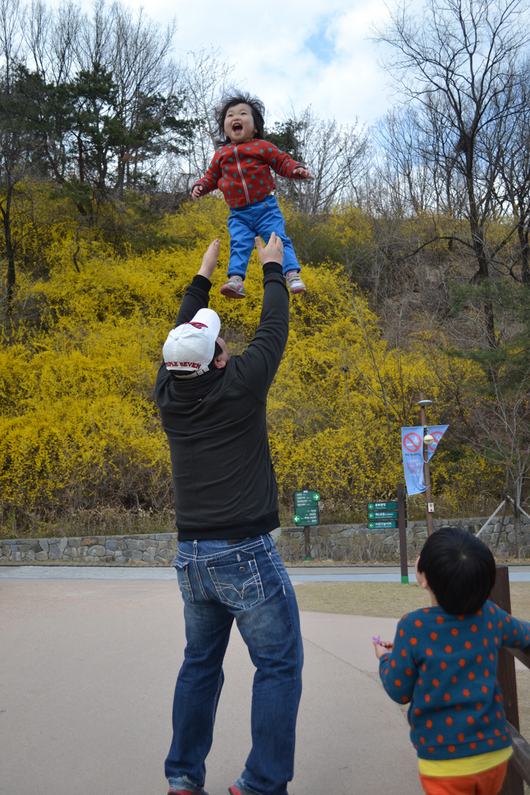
392	600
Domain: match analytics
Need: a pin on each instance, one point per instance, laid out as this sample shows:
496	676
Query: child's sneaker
234	288
295	283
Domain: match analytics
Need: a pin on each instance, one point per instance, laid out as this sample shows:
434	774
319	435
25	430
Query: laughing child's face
239	124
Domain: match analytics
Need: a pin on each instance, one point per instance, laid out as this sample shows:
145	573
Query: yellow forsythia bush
79	428
342	395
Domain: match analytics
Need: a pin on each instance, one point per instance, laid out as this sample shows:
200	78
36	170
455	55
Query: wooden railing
519	766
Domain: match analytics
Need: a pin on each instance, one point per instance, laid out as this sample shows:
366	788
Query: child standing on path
444	662
241	169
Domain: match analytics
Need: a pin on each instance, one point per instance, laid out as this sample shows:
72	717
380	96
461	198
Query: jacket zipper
241	175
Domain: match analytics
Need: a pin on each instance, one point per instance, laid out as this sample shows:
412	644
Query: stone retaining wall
347	543
158	548
354	542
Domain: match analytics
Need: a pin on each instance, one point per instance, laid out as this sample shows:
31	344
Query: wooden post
307	534
402	526
513	783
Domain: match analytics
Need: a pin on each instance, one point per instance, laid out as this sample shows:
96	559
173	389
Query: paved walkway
87	670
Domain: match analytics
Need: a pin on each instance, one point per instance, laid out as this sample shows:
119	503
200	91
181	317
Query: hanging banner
412	451
437	431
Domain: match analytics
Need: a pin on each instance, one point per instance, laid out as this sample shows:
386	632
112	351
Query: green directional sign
382	514
381	525
382	506
306	507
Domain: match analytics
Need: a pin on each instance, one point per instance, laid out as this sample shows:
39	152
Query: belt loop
196	548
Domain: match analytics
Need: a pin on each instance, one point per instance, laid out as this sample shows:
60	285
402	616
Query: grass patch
384	599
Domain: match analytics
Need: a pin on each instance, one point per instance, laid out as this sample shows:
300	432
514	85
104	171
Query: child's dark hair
459	569
239	98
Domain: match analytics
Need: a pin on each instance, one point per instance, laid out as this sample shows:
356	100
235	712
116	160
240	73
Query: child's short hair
241	97
459	568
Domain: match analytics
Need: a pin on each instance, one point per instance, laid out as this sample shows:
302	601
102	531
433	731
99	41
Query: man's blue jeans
245	223
246	581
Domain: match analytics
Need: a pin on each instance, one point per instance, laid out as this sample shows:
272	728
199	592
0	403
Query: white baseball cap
190	347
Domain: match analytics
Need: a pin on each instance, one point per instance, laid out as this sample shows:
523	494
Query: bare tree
143	71
401	167
514	187
124	61
11	39
336	155
207	79
14	134
52	37
17	150
501	434
460	64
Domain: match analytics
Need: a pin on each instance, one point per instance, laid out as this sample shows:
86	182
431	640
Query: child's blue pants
262	218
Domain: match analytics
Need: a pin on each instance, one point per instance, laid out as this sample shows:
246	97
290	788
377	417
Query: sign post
392	515
306	508
402	525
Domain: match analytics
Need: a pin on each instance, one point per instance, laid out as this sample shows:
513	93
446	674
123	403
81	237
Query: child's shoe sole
234	288
228	292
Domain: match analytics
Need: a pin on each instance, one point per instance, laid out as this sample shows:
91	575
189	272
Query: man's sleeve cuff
202	282
272	267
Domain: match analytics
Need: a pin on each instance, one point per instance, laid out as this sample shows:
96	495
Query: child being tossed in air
241	169
444	662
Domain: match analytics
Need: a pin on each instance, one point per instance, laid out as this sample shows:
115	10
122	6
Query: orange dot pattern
445	666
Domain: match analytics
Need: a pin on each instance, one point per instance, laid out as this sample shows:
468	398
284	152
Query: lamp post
427	440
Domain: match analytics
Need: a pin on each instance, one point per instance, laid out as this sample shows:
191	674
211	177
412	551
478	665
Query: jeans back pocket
237	580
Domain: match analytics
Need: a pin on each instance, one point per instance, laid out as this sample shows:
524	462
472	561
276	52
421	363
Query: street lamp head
425	403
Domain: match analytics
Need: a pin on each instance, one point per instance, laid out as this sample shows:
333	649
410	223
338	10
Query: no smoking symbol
437	435
412	442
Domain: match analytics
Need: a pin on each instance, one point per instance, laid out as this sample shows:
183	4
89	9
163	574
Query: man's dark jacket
216	424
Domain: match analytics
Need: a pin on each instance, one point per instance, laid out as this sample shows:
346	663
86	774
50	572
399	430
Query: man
213	409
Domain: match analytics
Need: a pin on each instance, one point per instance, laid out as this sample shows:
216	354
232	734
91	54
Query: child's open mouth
237	127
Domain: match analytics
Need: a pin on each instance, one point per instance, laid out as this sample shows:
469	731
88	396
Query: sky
290	53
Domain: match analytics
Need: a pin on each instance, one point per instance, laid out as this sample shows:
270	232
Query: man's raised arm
197	293
258	364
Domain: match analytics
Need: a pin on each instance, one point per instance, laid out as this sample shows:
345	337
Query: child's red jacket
243	171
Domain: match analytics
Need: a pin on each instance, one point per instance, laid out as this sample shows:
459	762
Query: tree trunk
80	159
489	323
10	254
525	253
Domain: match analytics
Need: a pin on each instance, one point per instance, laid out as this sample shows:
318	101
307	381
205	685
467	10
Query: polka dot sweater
445	666
243	171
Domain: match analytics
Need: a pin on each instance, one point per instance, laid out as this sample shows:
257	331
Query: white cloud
267	44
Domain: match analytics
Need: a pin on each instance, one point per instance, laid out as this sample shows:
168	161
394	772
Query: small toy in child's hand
376	640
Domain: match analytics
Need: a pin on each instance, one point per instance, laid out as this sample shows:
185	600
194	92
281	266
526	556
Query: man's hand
272	252
209	261
196	192
302	173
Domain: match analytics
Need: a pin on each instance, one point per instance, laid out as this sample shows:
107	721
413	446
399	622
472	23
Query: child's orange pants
489	782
